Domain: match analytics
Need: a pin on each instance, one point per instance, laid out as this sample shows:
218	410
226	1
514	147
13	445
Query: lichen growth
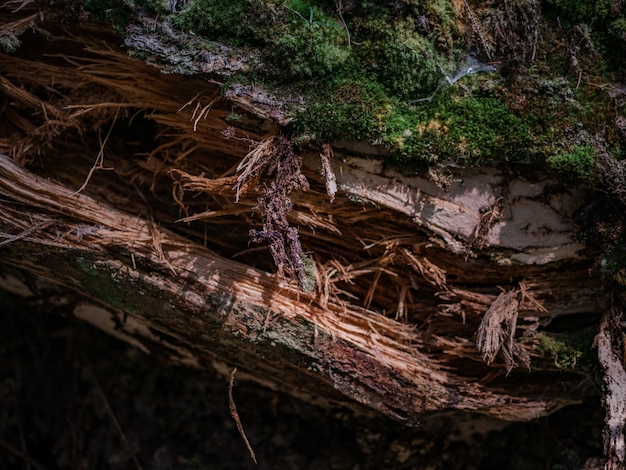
310	273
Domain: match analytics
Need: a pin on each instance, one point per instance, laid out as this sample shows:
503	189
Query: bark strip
615	395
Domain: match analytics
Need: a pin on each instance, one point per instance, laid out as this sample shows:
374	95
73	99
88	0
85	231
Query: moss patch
474	129
578	164
572	351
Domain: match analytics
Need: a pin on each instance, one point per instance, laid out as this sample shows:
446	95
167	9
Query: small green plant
578	164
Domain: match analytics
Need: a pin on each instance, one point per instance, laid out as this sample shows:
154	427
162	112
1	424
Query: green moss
404	62
309	47
358	67
578	164
236	21
344	109
473	130
301	40
572	351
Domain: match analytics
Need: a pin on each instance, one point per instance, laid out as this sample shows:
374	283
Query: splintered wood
496	334
497	331
327	171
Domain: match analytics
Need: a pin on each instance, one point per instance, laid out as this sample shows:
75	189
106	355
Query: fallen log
408	295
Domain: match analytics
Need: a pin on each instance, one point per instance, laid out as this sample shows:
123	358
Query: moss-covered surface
381	71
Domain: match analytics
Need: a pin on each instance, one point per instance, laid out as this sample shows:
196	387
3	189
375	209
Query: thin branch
25	233
235	414
99	163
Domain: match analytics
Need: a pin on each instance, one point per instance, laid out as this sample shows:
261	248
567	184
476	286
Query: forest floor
74	397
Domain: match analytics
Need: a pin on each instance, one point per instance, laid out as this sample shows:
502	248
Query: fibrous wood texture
141	191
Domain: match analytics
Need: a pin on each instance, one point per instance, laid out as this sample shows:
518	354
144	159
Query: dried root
277	170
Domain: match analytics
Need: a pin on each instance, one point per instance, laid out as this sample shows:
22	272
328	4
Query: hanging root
277	169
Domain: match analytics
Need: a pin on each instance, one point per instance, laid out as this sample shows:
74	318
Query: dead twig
431	273
197	116
487	220
477	30
21	3
251	166
497	331
235	414
25	233
99	163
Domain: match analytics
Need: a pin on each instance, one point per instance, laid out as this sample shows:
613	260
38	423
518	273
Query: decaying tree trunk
142	192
